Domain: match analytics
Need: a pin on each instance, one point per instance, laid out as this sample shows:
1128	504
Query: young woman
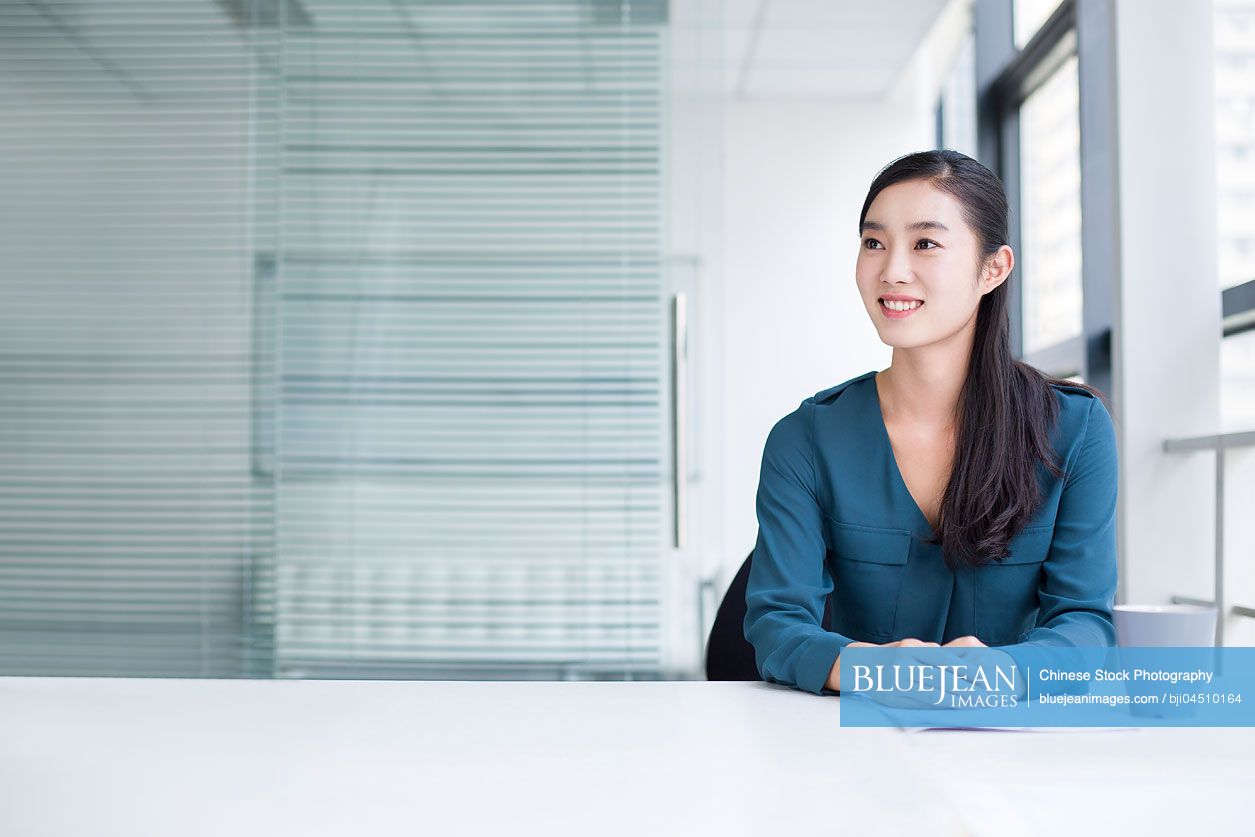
959	497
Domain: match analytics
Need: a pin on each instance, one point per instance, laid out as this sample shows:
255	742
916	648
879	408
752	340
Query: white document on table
1020	729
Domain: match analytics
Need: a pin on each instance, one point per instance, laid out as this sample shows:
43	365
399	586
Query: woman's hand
1002	660
969	641
834	676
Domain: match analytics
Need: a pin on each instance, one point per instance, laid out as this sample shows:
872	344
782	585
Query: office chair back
729	655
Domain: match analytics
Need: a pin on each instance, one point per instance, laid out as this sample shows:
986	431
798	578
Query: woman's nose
898	267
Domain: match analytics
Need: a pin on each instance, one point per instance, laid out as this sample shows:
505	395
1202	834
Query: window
1235	139
1234	38
1031	68
1050	207
1237	382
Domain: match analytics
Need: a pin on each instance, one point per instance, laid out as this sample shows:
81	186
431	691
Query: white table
116	756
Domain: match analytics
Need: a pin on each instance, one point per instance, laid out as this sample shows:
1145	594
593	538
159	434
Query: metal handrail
1219	443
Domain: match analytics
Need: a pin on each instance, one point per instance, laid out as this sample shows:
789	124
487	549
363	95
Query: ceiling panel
806	48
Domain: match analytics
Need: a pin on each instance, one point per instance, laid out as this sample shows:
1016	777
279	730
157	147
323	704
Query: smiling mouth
898	310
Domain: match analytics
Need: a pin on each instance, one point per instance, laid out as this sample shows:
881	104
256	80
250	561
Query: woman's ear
997	268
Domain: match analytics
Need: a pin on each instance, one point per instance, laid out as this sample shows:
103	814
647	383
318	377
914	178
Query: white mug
1162	625
1166	624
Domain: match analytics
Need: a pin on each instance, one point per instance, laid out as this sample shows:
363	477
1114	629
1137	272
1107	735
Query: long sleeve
789	578
1079	584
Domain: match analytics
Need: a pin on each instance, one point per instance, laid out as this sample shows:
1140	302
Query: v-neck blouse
835	518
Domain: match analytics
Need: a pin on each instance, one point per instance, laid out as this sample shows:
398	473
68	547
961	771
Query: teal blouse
835	517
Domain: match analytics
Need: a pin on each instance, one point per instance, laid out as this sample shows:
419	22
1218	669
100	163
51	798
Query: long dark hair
1007	409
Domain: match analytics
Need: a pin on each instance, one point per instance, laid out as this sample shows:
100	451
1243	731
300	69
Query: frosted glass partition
335	339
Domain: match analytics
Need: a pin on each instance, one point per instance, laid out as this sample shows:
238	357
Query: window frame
1005	78
1237	306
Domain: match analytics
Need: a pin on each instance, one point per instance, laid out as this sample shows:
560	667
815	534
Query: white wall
1167	312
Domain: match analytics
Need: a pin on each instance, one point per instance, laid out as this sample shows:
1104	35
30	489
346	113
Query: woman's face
915	244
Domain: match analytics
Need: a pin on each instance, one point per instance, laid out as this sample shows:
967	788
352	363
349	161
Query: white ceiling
773	49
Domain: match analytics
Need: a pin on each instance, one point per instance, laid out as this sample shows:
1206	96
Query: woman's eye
873	244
